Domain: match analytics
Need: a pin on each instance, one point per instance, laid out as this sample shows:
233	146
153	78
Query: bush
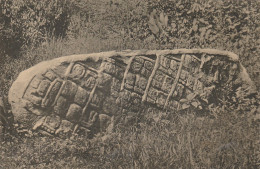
226	24
226	138
26	23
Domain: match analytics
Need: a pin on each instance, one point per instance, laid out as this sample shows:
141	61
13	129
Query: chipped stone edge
232	56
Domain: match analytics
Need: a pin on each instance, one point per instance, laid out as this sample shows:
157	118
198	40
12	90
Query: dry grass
222	139
53	48
228	140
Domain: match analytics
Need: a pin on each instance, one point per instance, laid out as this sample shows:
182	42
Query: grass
53	48
222	139
228	140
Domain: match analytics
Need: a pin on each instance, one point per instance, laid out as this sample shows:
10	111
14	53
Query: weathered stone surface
74	113
87	91
104	121
66	127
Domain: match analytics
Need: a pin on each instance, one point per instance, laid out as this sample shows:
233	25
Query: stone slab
86	91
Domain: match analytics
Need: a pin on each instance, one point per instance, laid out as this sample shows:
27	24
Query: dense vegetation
32	31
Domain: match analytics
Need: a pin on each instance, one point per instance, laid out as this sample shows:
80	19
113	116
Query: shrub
226	138
25	23
226	24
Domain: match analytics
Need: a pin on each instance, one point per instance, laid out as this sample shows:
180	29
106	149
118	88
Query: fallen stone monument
87	91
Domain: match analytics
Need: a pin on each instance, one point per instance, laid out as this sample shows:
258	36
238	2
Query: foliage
204	22
225	24
110	19
25	23
227	137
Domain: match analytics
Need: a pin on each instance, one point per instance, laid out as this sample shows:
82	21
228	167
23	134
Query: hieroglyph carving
87	91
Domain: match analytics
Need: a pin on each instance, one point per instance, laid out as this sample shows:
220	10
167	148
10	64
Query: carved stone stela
86	91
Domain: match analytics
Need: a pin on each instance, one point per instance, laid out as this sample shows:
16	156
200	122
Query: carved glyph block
86	91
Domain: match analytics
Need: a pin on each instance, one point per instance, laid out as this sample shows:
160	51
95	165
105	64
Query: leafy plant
26	23
226	138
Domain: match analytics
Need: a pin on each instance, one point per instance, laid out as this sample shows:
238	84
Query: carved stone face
85	92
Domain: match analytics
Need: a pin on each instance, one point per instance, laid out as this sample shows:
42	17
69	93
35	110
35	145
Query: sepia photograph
130	84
